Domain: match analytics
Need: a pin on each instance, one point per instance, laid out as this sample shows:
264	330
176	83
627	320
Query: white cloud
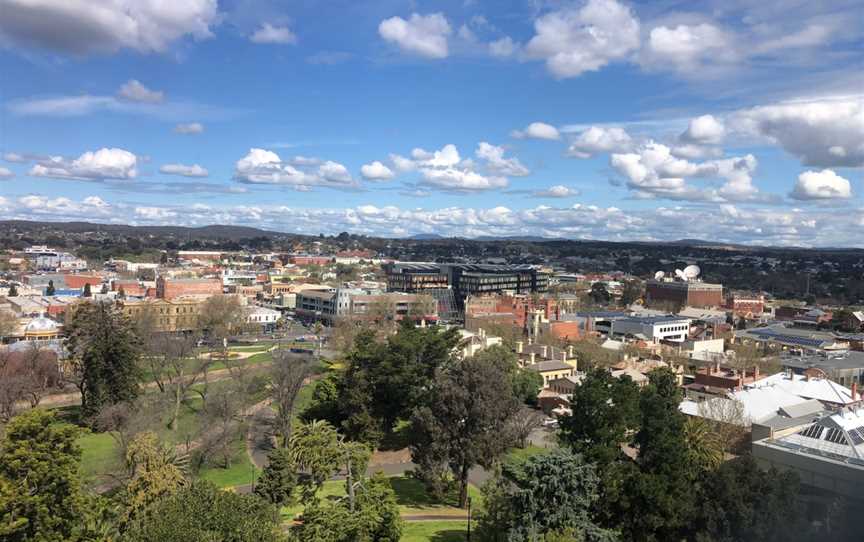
537	130
461	180
154	213
688	48
189	128
706	129
423	35
504	47
84	26
599	139
573	41
186	171
447	156
261	166
827	132
557	191
15	158
134	91
267	33
6	173
821	185
103	164
497	164
376	171
653	171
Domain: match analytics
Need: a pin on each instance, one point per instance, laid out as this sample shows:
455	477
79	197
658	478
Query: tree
201	512
8	323
599	294
661	490
287	376
549	493
222	423
315	449
220	316
105	351
176	368
40	484
13	290
374	518
523	424
49	291
468	409
26	375
740	501
156	470
277	481
631	293
104	289
87	292
604	409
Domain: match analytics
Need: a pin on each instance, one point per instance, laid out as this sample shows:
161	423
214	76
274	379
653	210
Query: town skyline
601	120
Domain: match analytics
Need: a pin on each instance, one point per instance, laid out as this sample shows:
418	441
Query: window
836	436
814	431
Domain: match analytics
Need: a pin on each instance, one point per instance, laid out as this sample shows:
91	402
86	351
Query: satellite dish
659	275
680	274
691	272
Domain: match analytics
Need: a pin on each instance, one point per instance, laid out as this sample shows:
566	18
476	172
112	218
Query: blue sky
738	121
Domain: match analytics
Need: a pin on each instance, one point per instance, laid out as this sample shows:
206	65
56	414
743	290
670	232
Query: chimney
529	341
755	372
854	391
519	347
481	333
532	355
543	351
570	351
717	367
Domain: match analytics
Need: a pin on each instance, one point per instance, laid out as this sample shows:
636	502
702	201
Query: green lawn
239	473
518	455
99	456
411	497
434	531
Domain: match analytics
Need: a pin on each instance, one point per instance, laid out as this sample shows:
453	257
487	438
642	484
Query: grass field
240	472
99	456
434	531
411	496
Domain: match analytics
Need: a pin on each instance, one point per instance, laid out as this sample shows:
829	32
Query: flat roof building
684	293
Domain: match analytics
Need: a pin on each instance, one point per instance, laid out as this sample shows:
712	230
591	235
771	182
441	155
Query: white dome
41	325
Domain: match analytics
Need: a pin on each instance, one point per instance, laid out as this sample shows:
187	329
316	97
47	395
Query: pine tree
87	292
13	291
50	289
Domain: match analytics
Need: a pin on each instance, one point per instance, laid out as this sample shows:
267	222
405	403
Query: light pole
468	539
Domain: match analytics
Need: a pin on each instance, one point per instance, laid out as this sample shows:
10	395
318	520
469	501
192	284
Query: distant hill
216	231
426	236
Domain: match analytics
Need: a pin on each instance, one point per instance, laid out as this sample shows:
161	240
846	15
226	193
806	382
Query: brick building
173	288
684	294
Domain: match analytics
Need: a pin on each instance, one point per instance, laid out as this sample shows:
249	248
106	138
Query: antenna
659	275
691	272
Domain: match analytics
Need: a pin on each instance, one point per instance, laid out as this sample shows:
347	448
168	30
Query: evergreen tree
13	290
50	289
40	484
87	292
277	482
105	351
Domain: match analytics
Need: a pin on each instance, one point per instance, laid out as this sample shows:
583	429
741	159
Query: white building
652	328
262	316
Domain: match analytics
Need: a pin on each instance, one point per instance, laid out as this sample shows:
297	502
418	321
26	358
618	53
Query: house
473	343
552	370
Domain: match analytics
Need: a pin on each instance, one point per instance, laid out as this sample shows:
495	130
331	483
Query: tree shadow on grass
448	536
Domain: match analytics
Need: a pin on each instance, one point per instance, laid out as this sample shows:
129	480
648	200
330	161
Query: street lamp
468	539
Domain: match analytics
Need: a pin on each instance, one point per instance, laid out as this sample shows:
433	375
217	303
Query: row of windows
668	329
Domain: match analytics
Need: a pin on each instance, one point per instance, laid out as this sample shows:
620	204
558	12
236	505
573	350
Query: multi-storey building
172	315
684	293
173	288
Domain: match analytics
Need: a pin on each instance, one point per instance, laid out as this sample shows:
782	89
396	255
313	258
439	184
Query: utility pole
468	539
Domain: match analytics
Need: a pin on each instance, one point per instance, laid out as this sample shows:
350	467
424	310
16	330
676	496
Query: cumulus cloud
826	132
706	129
82	26
557	191
268	33
573	41
261	166
6	173
821	185
134	91
183	170
504	47
599	139
189	128
461	180
497	164
62	207
687	49
154	213
376	171
537	130
422	35
653	171
105	163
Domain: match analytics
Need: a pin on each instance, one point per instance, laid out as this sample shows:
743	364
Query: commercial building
683	293
168	315
363	305
845	368
465	280
652	328
173	288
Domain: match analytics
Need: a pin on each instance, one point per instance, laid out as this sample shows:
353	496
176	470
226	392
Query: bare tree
523	424
123	421
222	424
220	316
26	375
177	368
288	375
728	419
8	323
